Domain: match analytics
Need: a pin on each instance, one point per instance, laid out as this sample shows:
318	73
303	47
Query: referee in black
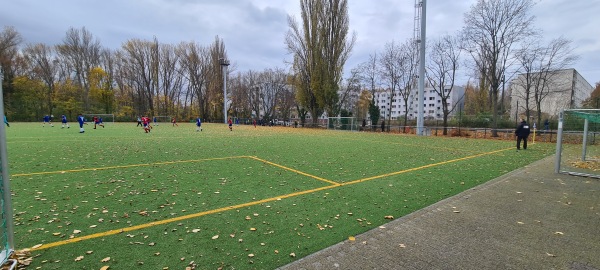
522	133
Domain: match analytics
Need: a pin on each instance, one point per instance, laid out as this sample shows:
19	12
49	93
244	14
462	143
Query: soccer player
254	122
174	121
95	120
46	120
198	124
6	121
146	123
230	124
81	121
155	123
100	123
139	120
64	121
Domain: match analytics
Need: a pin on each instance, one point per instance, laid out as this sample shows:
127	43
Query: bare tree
140	73
540	65
491	29
441	72
390	67
272	84
9	40
44	66
407	81
82	52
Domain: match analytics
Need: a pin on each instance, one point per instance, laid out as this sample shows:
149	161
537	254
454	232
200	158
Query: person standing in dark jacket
522	133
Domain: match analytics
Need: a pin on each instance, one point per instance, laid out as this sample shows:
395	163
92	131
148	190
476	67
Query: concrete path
530	218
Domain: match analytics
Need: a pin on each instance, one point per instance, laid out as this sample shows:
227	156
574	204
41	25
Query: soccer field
251	198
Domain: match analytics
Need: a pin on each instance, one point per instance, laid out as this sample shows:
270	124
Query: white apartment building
567	90
432	103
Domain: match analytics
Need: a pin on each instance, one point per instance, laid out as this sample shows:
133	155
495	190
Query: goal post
342	123
106	117
161	119
577	145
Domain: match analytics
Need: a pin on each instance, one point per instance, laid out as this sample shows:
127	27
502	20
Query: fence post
559	142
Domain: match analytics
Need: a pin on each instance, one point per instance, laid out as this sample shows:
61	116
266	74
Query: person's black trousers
519	138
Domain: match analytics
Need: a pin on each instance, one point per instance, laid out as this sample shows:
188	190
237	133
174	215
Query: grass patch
161	199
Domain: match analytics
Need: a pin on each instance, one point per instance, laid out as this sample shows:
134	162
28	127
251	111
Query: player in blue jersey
64	121
198	124
81	121
48	120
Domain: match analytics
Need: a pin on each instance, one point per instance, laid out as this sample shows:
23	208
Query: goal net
578	143
106	118
342	123
161	119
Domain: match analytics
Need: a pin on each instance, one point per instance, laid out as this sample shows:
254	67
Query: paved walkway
530	218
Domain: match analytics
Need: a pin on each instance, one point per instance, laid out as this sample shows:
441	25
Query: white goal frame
104	116
342	123
581	130
159	117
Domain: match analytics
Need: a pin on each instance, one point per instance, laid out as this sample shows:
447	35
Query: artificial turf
251	198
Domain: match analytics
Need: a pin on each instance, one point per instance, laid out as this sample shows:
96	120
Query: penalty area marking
227	208
127	166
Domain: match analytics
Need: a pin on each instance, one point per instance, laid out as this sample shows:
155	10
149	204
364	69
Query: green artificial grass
254	198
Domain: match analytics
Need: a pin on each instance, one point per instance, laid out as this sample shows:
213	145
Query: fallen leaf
105	267
195	230
76	231
293	255
351	238
520	223
559	233
106	259
402	245
250	255
550	255
389	217
253	229
79	258
215	237
89	252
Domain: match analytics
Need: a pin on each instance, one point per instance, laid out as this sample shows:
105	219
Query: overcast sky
254	30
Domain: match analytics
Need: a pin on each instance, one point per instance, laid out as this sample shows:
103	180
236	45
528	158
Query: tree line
146	77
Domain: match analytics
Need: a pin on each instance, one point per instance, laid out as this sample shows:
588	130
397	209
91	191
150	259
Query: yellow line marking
127	166
165	221
223	209
421	167
296	171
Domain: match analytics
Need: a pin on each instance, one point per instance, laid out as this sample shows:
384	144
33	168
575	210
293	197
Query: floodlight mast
420	9
224	63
